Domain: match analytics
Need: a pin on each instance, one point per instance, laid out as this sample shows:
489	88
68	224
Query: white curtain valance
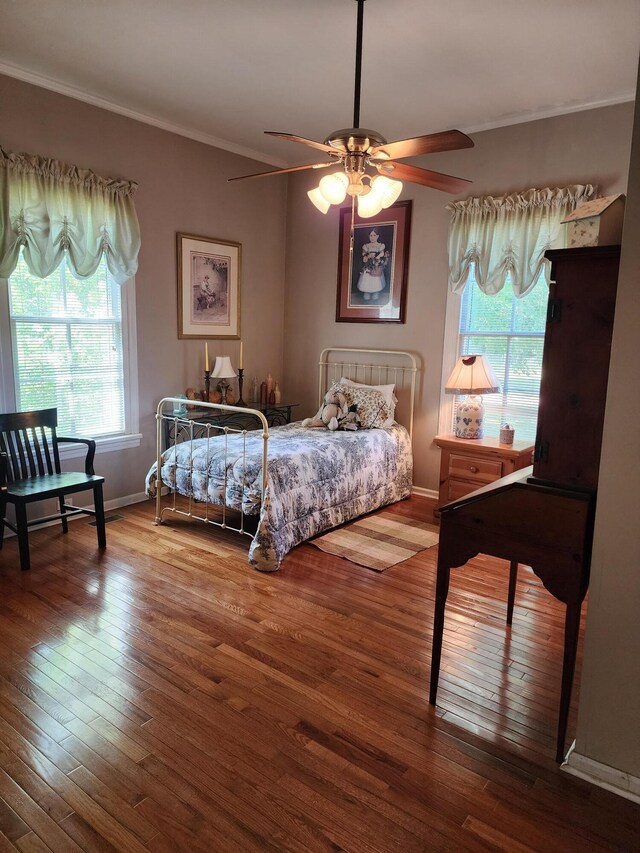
508	234
49	209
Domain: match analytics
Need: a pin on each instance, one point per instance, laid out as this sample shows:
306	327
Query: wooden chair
29	442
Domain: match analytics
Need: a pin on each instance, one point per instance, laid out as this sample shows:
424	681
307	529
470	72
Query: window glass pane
67	345
510	332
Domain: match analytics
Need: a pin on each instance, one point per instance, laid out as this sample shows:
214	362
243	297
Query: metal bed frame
331	369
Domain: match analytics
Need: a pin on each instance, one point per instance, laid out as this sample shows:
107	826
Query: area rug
379	541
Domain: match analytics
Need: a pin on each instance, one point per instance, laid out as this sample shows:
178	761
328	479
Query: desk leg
571	630
511	600
442	588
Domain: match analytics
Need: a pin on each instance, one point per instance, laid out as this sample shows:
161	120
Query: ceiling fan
356	149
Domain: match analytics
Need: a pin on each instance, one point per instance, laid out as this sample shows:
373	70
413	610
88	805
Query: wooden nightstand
467	464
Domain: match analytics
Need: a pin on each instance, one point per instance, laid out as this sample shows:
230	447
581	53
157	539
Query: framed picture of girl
372	271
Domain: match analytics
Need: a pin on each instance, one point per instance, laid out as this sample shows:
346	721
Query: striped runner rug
379	541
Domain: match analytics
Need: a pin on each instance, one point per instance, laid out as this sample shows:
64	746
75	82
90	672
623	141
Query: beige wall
609	717
183	187
589	146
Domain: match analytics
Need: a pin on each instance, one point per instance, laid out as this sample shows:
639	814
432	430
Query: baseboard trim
424	493
116	503
602	775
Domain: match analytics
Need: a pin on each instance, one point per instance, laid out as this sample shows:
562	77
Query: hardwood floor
165	696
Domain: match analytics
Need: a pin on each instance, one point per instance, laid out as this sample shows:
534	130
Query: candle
206	356
240	363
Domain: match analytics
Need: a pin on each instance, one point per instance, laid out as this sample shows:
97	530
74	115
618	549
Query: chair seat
50	485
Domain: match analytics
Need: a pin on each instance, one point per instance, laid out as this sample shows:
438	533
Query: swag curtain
508	234
49	209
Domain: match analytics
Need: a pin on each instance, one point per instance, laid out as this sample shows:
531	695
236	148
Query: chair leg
98	504
23	536
1	532
64	519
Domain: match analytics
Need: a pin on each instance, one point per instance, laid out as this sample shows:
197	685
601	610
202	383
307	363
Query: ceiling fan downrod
356	94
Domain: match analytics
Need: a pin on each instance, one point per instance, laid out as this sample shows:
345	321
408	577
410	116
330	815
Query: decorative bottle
269	385
272	397
263	394
255	390
277	395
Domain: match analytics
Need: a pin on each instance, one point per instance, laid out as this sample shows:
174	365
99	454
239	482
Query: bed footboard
184	429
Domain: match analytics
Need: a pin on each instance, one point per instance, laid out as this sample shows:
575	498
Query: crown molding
45	82
69	91
552	112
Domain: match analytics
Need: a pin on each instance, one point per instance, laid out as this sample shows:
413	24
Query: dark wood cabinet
575	366
546	520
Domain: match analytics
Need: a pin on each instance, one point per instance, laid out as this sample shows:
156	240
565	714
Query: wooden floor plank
162	695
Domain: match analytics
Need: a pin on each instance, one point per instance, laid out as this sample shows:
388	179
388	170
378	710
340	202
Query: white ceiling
225	70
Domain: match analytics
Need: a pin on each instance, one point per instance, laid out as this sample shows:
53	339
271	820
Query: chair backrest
30	442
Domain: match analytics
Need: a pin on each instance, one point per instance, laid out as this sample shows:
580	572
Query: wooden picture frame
208	287
372	282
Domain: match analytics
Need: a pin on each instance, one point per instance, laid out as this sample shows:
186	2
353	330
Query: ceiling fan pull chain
356	95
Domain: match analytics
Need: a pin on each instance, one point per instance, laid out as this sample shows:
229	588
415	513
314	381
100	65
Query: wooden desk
547	528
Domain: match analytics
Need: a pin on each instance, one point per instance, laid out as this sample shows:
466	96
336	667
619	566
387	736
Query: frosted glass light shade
386	189
472	375
222	369
369	205
334	187
316	197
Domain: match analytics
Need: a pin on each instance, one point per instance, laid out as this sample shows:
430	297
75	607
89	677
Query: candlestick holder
207	385
240	401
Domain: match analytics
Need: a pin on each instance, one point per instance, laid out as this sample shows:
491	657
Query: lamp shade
319	200
334	187
369	205
222	369
472	375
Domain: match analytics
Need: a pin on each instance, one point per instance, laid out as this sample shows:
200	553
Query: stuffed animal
351	420
334	407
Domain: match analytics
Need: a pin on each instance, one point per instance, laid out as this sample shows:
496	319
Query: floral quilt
316	480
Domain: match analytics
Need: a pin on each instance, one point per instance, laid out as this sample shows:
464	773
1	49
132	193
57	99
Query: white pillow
385	390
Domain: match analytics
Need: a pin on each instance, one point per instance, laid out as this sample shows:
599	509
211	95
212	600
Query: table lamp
473	376
223	370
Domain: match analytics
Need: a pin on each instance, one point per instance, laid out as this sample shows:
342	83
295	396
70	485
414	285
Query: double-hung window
510	332
498	296
69	241
72	347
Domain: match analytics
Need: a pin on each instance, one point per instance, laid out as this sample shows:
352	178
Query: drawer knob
473	469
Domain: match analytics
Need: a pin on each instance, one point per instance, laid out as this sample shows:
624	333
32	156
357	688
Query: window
510	332
72	348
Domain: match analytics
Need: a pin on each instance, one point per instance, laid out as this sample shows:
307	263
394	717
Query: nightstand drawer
475	468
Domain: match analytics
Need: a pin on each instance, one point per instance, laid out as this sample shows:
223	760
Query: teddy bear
351	420
334	407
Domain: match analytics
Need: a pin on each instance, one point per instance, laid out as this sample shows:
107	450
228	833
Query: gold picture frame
208	287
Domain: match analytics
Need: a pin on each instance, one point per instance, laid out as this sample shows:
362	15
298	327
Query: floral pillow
371	407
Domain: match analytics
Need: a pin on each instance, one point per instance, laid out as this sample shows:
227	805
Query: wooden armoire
575	366
543	516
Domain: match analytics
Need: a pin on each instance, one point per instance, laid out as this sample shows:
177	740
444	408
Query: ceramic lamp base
469	417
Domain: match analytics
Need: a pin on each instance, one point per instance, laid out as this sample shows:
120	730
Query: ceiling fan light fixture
386	189
334	187
316	198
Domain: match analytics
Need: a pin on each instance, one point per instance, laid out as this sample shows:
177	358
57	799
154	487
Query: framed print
208	287
372	278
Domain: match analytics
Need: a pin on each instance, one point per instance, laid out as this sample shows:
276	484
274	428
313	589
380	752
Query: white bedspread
316	479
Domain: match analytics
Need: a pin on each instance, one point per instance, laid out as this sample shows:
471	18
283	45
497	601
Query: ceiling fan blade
310	142
448	140
283	171
435	180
